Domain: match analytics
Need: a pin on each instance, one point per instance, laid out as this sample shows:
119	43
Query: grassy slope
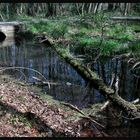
86	33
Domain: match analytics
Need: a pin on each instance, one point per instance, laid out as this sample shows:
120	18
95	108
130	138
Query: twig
22	74
87	117
134	74
136	101
131	60
135	65
73	107
81	112
8	68
132	119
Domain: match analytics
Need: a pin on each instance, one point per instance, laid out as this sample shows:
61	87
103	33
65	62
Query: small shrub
126	37
108	47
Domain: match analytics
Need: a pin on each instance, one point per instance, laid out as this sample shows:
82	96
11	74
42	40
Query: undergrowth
91	32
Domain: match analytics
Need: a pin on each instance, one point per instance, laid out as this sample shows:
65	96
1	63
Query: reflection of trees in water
122	80
40	59
53	68
128	84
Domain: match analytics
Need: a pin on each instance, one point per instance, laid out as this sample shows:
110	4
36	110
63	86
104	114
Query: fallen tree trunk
126	18
128	108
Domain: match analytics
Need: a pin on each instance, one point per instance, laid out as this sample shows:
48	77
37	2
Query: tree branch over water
127	107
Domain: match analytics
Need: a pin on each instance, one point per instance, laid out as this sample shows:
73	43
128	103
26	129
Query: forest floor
24	114
12	108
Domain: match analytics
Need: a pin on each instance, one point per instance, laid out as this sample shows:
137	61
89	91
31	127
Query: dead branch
81	112
136	101
135	65
9	68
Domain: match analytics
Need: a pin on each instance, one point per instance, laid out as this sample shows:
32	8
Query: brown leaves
23	100
13	125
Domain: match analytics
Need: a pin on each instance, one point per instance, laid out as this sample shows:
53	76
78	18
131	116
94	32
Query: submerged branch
9	68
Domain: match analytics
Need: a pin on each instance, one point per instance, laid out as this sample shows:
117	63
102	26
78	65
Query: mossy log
127	107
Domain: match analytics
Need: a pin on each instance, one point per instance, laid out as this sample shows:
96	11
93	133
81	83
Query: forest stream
70	69
65	83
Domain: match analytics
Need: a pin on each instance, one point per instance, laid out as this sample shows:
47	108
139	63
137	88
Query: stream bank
56	110
19	96
48	117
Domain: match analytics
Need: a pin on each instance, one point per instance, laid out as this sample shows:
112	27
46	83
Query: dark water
128	84
68	85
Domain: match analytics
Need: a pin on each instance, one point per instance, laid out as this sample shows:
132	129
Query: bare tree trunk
100	7
7	11
126	8
50	10
77	7
83	6
90	7
95	8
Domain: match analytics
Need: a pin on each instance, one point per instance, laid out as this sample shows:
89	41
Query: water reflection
128	84
69	86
